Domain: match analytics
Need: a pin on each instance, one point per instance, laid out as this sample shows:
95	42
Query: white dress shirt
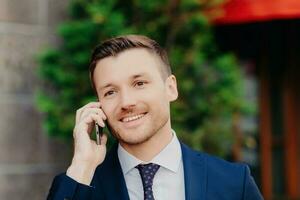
168	182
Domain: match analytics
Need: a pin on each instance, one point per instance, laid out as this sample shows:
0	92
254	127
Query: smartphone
99	133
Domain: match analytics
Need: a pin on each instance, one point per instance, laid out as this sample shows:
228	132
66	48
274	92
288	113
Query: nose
127	100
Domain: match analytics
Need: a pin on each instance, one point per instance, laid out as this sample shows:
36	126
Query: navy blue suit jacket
206	178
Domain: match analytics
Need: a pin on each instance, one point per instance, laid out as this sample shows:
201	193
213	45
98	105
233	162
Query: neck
147	150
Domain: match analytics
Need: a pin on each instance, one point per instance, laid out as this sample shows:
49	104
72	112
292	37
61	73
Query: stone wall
28	158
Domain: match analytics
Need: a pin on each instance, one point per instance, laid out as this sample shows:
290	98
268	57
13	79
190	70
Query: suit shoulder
231	174
216	163
220	169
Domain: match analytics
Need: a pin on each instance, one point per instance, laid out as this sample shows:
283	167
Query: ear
171	88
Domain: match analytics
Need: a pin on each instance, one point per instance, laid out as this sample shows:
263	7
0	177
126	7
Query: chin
135	141
133	136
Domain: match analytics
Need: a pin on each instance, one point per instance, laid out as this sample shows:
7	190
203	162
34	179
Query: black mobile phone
99	133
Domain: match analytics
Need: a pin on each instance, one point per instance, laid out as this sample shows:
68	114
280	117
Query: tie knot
146	168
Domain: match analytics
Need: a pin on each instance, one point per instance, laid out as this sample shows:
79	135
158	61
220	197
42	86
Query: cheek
159	101
108	109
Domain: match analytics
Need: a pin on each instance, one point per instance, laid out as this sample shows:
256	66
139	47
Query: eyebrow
132	78
138	76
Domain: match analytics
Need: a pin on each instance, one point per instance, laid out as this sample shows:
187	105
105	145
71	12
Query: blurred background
236	61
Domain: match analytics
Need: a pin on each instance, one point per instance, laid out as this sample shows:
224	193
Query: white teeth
128	119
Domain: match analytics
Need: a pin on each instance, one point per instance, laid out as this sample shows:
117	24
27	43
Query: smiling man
134	84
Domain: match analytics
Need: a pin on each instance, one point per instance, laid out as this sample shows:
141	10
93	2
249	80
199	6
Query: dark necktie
147	173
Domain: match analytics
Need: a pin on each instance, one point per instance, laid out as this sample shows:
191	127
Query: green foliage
209	82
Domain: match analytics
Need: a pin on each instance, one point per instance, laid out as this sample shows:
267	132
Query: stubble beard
147	133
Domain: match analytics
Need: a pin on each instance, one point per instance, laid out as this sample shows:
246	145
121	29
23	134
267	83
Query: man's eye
140	83
109	93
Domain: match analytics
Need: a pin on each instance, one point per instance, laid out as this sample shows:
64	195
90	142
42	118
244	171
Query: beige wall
28	158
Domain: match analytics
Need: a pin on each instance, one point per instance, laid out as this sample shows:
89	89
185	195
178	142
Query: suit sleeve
251	191
65	188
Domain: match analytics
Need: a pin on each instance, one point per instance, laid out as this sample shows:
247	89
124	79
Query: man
132	78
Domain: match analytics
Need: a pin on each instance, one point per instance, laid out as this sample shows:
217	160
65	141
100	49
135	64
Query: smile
133	118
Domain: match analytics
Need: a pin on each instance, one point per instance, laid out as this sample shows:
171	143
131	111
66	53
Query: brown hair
114	46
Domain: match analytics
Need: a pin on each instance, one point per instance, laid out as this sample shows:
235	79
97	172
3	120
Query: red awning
241	11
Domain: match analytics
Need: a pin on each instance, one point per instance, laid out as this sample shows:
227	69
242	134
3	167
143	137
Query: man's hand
87	154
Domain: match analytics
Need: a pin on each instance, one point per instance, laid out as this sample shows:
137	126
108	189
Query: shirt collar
169	157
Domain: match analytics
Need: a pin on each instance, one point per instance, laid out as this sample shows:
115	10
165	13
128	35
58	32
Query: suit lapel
112	178
195	174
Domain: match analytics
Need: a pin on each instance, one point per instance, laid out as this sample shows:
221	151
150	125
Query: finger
97	111
89	105
103	141
87	125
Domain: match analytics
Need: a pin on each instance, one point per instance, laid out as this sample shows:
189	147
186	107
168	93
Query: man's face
133	94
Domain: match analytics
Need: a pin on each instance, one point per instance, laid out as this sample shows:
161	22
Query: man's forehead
129	61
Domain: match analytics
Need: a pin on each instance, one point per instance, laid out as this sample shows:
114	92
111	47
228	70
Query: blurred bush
209	81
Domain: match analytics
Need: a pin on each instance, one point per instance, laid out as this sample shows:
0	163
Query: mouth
132	118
